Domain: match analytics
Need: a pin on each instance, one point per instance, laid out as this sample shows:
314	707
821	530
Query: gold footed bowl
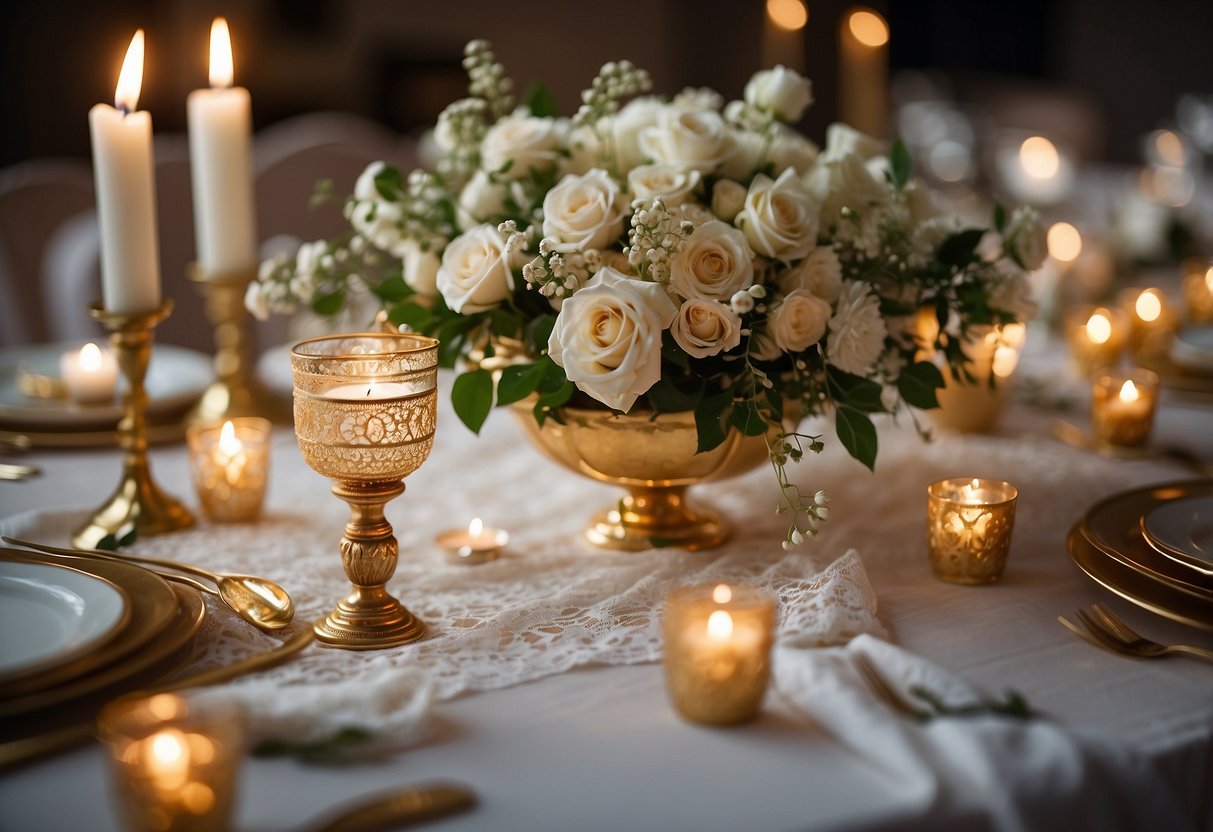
654	459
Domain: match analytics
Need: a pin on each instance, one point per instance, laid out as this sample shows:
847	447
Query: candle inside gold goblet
365	413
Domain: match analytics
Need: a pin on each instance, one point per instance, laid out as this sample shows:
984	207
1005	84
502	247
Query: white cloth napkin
986	771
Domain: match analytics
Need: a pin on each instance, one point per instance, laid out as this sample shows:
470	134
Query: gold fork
1106	630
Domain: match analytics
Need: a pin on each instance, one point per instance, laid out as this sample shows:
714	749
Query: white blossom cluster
616	80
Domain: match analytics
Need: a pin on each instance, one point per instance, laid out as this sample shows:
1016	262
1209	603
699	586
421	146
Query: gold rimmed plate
152	607
1183	531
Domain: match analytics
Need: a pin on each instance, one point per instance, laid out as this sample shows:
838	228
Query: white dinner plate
51	614
1193	348
176	378
1183	530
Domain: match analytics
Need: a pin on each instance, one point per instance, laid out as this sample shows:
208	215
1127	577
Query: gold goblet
365	413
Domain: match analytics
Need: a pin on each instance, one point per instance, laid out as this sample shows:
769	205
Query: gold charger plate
39	437
153	604
1136	586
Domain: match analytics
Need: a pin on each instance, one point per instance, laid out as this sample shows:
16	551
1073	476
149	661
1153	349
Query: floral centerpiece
672	254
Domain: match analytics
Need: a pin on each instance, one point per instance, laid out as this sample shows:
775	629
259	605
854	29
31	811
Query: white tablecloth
600	748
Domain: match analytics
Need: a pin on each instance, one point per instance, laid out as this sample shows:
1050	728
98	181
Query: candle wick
123	108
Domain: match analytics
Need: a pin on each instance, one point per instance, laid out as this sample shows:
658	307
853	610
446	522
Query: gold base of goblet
369	618
657	517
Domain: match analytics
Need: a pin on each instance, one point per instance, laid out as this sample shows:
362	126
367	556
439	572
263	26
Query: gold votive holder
173	765
1122	408
230	466
1152	325
1198	289
969	524
1096	335
717	651
975	406
474	545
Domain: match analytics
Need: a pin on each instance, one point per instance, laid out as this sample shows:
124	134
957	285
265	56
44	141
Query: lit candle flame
221	54
229	444
1006	359
789	15
720	625
130	79
475	527
169	759
1148	306
1128	392
90	358
1209	278
1065	243
1039	158
722	594
1099	328
868	27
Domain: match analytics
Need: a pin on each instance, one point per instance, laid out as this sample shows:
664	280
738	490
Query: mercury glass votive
969	523
1198	289
173	765
717	651
365	415
1122	408
230	466
1152	325
1096	335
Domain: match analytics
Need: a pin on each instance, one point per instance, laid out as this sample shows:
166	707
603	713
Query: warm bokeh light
1039	157
130	79
1148	305
1065	243
1099	328
1209	278
1128	391
720	625
868	27
90	358
1006	359
229	444
1169	147
790	15
221	54
475	527
722	594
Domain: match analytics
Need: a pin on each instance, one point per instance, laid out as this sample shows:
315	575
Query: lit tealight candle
475	544
969	523
717	648
1198	289
1152	325
230	466
1035	170
1096	338
1122	408
90	376
1064	242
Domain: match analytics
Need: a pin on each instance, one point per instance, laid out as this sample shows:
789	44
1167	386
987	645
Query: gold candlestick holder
137	503
365	414
236	390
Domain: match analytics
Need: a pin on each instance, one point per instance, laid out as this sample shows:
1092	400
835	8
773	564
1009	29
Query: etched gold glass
230	475
365	414
1122	408
969	523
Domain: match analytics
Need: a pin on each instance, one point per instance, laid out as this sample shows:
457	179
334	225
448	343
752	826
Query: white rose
706	327
798	321
781	91
524	143
307	259
928	237
585	151
842	139
481	200
673	184
921	202
1013	293
852	185
626	126
715	263
607	337
857	330
789	149
779	218
1026	240
694	139
420	269
728	198
584	212
256	301
698	98
820	274
749	150
364	188
475	273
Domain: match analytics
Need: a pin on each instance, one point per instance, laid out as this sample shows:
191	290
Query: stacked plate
75	633
1190	368
1153	546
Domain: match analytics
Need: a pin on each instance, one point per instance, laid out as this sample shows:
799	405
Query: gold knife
397	808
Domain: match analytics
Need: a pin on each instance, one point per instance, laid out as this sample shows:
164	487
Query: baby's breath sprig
808	511
488	78
461	127
654	238
555	274
616	80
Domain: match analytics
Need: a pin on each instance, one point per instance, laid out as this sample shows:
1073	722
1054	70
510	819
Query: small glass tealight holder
89	375
717	651
474	545
230	465
1096	335
1122	408
1152	325
1198	289
173	765
969	524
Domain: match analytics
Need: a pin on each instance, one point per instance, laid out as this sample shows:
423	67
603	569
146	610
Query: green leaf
389	182
517	382
538	332
1000	217
472	397
329	304
747	419
857	434
416	316
540	101
918	383
711	421
393	289
854	391
549	402
900	164
553	377
667	397
961	248
504	323
341	748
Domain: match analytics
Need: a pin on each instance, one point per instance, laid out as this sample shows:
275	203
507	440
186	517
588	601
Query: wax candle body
863	71
221	178
90	375
371	391
1122	408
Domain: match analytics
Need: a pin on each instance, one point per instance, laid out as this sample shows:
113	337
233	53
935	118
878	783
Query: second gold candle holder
969	524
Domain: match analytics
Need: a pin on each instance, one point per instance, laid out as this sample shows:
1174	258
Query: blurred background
1099	112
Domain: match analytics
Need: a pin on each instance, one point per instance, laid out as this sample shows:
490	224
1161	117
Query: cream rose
779	218
475	273
420	269
1026	240
673	184
857	330
842	139
852	185
789	149
781	91
706	327
748	154
481	200
798	321
820	274
715	263
584	212
607	337
626	126
693	139
728	198
524	143
365	188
